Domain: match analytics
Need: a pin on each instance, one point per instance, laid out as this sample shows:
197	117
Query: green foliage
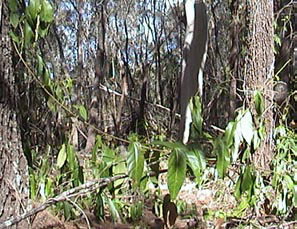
245	183
223	156
176	172
61	157
82	111
284	179
259	103
196	161
196	112
135	161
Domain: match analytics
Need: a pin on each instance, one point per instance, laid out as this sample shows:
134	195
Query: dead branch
81	190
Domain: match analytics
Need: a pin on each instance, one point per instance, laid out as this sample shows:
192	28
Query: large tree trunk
13	164
194	56
259	70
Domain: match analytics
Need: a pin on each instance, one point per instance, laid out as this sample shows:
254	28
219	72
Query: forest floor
196	203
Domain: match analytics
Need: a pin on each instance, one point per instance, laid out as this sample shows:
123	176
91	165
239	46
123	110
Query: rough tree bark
259	70
13	164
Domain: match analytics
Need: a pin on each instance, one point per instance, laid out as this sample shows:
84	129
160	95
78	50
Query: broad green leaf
83	112
171	145
46	14
246	125
49	187
114	213
71	157
246	153
289	182
46	80
28	33
244	131
61	156
135	162
256	140
59	93
229	133
196	161
119	168
223	157
14	19
259	103
247	180
176	172
108	154
14	37
39	65
33	9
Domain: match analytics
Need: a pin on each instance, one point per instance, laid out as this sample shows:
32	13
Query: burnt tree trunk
259	71
13	164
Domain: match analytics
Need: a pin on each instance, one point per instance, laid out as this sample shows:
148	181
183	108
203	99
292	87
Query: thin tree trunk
259	70
13	164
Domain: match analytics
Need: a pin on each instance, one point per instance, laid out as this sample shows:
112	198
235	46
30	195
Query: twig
84	214
64	196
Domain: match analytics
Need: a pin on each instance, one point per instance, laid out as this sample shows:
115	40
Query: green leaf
95	149
28	33
223	157
196	161
39	65
99	208
83	112
71	157
229	134
289	182
49	187
246	126
42	32
247	180
68	211
196	111
176	172
33	186
114	213
259	103
14	19
59	93
108	154
61	156
135	162
33	9
46	14
14	37
171	145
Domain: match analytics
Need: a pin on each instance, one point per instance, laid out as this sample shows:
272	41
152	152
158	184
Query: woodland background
97	82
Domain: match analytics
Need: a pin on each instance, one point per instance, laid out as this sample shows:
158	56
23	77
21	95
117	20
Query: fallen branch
64	196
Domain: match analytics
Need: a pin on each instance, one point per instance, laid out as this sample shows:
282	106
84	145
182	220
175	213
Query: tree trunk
194	56
13	164
259	70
